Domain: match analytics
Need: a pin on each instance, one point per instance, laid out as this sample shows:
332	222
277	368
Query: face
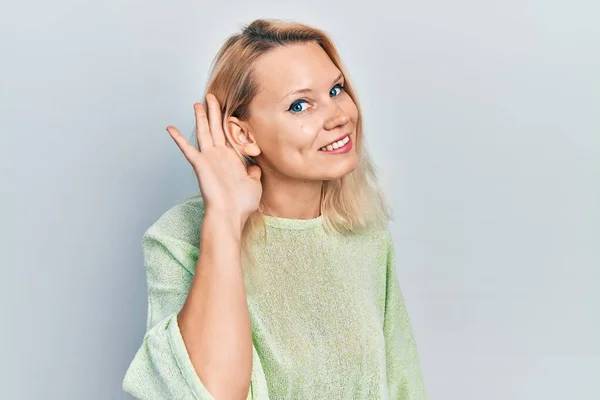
303	123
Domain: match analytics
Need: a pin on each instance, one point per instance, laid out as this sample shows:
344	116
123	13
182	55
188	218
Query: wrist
231	222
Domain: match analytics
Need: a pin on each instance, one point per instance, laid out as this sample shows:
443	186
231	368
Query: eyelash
340	85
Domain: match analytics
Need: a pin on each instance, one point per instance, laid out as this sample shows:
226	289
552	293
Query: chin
337	173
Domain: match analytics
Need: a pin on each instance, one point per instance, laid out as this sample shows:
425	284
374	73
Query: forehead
292	67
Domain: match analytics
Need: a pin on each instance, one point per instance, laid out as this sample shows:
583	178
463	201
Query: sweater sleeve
161	367
402	362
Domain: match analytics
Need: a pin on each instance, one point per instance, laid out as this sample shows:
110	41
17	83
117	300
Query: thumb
254	172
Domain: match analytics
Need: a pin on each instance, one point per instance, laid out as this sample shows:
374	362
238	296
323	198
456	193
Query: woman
280	282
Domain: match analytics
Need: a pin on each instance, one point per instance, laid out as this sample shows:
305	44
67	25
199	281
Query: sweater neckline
291	223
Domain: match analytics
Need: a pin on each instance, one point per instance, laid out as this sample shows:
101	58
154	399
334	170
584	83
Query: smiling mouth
338	144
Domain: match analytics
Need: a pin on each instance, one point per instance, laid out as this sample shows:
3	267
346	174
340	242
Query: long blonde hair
352	202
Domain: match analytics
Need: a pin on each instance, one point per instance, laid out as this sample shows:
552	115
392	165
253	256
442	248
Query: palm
223	179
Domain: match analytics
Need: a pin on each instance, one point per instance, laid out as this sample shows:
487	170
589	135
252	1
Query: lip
340	138
344	149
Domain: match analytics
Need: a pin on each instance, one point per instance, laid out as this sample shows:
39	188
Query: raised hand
226	185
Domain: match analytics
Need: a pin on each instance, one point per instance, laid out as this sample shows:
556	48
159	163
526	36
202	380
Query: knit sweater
327	314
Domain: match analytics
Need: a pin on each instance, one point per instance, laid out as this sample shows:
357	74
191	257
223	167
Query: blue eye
296	106
339	86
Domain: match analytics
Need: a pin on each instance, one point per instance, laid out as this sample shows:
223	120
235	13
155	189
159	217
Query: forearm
214	321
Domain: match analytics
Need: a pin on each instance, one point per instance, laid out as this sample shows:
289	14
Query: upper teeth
336	145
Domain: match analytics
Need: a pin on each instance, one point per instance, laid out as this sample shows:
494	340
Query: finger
188	150
254	172
202	129
214	117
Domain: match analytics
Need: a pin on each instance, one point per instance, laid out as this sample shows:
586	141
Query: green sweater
328	318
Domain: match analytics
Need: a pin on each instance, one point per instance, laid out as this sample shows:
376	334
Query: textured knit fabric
328	318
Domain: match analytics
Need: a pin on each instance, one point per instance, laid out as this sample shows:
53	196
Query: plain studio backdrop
483	118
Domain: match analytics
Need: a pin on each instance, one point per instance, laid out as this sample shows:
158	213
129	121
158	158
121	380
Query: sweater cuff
183	360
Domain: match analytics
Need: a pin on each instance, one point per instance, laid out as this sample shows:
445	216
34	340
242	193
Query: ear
240	137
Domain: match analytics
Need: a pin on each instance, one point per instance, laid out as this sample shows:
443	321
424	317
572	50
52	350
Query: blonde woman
279	282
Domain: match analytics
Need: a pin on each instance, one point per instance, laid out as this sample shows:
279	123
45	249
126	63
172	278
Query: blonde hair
352	202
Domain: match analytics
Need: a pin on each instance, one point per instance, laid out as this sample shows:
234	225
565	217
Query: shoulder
181	222
378	236
371	243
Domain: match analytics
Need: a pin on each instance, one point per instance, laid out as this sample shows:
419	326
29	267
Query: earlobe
252	149
248	144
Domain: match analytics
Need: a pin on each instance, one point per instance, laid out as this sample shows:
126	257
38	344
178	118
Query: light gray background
483	118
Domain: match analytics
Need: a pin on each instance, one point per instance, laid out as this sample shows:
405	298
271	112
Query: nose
338	118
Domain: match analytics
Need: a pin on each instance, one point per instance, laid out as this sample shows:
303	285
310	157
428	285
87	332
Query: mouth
340	145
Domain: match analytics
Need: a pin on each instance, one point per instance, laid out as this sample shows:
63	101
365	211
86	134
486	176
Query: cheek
289	144
352	111
297	137
309	133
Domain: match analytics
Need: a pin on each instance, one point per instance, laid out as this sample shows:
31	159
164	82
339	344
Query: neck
294	199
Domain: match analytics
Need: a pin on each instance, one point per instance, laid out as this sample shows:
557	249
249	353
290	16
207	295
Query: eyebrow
306	90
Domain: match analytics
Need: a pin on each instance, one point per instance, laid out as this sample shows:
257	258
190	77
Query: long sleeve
161	368
402	362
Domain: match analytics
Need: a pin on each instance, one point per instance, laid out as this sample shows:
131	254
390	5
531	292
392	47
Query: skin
284	133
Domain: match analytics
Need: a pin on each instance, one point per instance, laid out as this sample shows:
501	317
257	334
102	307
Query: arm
163	366
214	320
403	369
